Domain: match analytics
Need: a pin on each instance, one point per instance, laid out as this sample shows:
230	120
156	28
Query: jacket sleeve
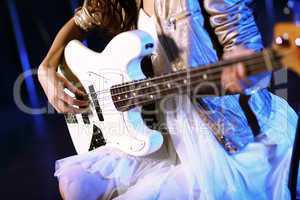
105	14
89	15
233	23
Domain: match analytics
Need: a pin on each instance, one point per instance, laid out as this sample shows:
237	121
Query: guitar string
212	78
187	75
180	79
198	70
139	102
220	64
208	73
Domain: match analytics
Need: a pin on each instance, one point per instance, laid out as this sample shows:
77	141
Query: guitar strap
250	115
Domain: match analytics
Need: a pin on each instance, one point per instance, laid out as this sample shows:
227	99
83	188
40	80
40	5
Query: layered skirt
204	170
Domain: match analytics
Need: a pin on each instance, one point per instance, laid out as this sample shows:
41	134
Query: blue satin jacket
233	23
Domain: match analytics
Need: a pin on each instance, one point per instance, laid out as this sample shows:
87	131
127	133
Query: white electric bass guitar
117	87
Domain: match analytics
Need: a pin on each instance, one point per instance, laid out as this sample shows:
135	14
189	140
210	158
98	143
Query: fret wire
210	67
217	78
139	103
207	72
201	67
193	76
253	71
158	85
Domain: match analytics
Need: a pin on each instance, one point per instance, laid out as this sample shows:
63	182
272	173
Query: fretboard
202	79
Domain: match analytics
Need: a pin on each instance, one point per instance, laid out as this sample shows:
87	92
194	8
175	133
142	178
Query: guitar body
114	117
97	73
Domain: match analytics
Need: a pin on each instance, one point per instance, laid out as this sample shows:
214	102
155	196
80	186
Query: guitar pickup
96	103
71	119
85	118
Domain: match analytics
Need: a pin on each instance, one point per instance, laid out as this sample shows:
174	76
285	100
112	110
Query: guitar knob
297	42
282	41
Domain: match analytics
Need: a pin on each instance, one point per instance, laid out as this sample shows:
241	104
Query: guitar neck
204	79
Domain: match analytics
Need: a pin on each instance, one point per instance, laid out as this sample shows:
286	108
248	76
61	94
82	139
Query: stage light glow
24	59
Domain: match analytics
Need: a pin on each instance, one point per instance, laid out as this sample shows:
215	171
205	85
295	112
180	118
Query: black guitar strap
250	116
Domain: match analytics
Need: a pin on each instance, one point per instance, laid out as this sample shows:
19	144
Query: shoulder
112	15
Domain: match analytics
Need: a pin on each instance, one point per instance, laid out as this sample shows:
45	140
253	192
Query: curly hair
131	13
113	15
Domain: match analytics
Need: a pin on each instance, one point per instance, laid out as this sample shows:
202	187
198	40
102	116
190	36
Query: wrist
45	69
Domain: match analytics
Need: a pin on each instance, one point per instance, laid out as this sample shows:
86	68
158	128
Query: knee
77	184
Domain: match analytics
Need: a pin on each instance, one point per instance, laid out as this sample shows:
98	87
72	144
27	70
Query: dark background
29	145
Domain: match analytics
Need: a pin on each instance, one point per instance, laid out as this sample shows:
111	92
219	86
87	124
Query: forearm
68	32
